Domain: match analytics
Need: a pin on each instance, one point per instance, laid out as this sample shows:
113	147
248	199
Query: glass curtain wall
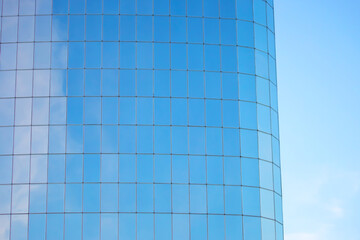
139	119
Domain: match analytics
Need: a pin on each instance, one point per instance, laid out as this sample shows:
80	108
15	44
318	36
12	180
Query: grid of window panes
139	119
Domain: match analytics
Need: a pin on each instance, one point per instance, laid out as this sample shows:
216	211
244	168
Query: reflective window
139	120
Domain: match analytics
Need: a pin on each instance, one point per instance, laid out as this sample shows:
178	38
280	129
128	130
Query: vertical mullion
66	116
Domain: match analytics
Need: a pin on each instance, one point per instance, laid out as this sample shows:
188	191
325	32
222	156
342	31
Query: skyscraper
139	119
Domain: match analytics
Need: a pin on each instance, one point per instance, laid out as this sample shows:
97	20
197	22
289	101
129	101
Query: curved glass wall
147	119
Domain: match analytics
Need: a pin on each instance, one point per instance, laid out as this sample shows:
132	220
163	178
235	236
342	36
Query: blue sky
318	49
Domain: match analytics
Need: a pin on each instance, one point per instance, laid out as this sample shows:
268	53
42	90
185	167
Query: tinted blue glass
154	130
55	198
232	173
178	29
251	201
145	226
198	227
250	172
76	28
60	6
180	226
162	198
213	141
211	30
196	84
54	226
244	9
195	55
110	55
197	169
228	58
127	7
178	56
211	8
111	6
195	8
245	32
233	227
161	7
214	170
180	169
212	58
178	84
252	228
179	140
37	224
127	226
246	60
144	28
177	7
215	199
267	203
197	198
260	11
144	55
127	197
194	26
228	31
162	169
232	199
161	28
108	223
180	200
91	226
93	27
161	134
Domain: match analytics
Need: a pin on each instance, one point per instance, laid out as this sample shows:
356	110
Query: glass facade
139	120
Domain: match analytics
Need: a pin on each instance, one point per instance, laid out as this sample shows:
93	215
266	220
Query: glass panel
233	227
251	202
195	27
127	197
244	9
233	200
20	198
211	8
9	29
37	223
109	198
249	143
230	113
57	139
215	199
73	226
55	198
216	227
198	227
162	226
6	170
145	227
162	168
5	201
180	198
232	173
197	199
180	169
180	226
252	228
19	227
127	225
109	225
162	197
211	29
250	172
